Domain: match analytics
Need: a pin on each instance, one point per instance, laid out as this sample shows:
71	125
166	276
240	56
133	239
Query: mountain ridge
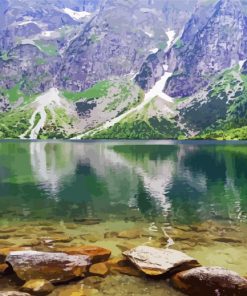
104	59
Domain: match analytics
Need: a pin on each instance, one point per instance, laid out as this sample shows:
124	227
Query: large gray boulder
155	261
213	281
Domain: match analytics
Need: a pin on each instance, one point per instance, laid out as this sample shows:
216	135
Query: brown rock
128	270
38	287
3	268
100	269
155	261
93	281
130	234
117	261
227	240
56	239
213	281
96	254
123	266
8	230
4	236
75	290
54	267
110	234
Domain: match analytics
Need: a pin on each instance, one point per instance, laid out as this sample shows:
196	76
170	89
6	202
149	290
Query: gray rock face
218	45
215	281
213	39
154	261
28	66
4	104
115	43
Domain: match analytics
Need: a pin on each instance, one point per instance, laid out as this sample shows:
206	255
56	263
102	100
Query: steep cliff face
114	43
213	39
217	45
28	70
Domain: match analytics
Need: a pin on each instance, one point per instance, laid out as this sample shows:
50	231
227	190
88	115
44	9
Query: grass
49	49
15	93
40	61
179	44
99	90
4	56
14	123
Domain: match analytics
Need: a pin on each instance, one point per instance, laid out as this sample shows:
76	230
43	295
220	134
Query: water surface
192	193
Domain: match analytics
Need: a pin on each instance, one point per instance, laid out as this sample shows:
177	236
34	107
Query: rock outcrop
154	261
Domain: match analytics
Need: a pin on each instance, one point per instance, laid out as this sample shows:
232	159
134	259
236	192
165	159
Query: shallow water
191	195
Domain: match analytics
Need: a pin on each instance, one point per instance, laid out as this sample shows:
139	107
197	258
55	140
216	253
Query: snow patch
150	35
171	34
76	15
241	63
154	50
47	33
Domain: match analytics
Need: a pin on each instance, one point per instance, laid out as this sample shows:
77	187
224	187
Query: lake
190	195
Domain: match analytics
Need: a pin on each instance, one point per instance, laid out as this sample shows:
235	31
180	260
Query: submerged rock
38	287
154	261
88	221
130	234
123	266
54	267
96	254
100	269
75	290
227	240
213	281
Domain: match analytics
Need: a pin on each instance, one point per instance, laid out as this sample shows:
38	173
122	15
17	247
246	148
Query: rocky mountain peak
217	45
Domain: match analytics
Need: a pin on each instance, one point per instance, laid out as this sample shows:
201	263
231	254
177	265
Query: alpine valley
123	69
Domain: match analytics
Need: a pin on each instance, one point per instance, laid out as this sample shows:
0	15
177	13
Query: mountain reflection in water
169	182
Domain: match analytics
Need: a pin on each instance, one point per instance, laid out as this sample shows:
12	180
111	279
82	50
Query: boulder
54	267
155	261
213	281
130	234
4	252
38	287
96	254
3	268
100	269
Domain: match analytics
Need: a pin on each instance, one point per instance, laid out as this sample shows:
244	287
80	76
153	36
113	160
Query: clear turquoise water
190	196
171	182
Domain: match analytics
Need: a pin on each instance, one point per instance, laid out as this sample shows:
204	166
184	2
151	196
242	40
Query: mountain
123	69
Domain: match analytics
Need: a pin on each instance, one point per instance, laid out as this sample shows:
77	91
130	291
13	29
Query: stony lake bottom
118	195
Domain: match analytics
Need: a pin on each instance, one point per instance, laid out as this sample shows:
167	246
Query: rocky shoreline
81	268
123	257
